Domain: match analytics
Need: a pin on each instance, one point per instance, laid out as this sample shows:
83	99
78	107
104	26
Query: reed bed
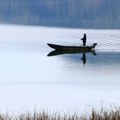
94	115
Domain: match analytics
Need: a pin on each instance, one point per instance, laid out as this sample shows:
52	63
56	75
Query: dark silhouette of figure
84	40
84	58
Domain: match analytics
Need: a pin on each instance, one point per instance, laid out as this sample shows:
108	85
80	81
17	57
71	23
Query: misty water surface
29	79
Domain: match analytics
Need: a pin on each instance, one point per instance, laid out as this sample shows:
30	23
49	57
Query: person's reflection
84	58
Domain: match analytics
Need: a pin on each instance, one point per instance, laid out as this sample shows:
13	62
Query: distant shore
103	114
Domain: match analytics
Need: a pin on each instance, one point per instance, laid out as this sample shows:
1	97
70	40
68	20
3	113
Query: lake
29	79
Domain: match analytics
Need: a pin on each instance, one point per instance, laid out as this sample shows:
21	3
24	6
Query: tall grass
94	115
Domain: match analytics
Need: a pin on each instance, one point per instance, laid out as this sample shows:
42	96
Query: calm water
29	79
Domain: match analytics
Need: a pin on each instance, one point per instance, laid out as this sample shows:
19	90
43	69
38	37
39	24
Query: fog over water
29	79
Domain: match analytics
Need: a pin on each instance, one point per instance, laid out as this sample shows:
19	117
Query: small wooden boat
73	48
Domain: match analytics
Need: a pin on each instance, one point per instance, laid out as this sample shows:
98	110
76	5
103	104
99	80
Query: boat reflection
57	52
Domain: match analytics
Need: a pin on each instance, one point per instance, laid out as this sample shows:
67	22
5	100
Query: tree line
63	13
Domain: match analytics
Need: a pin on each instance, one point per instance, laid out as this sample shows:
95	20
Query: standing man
84	40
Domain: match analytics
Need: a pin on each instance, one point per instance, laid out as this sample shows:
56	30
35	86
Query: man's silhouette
84	40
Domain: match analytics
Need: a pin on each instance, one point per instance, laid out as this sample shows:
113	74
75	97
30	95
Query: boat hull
72	48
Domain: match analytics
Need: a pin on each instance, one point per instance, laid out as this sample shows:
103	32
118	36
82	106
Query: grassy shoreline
113	114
